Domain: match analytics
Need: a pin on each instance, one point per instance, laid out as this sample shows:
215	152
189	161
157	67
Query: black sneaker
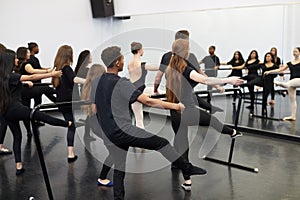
186	187
70	160
20	171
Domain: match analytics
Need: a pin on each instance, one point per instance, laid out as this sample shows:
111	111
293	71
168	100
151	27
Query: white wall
53	23
141	7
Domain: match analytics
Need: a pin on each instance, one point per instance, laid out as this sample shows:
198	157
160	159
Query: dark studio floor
277	161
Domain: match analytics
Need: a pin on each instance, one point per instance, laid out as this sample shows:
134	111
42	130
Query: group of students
115	100
260	73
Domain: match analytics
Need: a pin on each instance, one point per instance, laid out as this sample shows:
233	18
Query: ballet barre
229	162
36	134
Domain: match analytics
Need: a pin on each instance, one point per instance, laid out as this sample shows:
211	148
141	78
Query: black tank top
252	68
140	83
295	70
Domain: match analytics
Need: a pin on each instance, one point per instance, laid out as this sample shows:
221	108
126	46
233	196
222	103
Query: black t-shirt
235	72
295	70
65	89
192	61
15	87
253	67
35	63
140	83
188	98
113	98
210	62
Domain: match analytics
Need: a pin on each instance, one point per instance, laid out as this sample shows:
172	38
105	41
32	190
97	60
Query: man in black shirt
211	66
35	63
113	98
192	61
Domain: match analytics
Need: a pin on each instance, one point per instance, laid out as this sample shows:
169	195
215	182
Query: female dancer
251	65
64	89
11	107
179	78
236	62
94	72
3	124
138	71
277	60
25	68
293	83
81	71
266	80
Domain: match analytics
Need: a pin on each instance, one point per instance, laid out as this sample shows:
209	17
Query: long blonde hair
63	58
95	71
177	65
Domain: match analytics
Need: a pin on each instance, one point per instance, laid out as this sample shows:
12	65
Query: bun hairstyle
135	47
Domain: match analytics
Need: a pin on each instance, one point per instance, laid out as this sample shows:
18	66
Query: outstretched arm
274	71
150	67
31	70
144	99
214	81
35	77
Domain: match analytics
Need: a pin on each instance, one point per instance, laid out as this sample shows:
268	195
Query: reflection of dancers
116	94
236	62
293	83
180	76
11	107
91	119
138	71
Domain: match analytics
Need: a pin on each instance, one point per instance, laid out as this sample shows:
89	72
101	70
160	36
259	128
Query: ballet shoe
20	171
290	118
238	134
70	160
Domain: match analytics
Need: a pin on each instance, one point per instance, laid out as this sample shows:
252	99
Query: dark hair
269	53
7	62
213	47
249	57
31	45
83	60
135	47
298	48
241	59
22	56
110	55
182	34
2	48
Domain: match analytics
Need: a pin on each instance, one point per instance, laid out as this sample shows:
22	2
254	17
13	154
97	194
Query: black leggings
142	139
267	83
67	112
3	129
36	93
250	86
93	124
17	112
190	117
